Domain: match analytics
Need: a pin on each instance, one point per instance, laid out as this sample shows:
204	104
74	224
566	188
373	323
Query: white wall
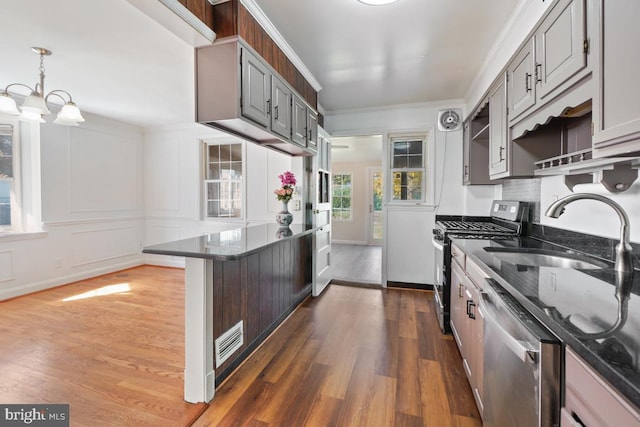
91	198
173	186
354	231
408	254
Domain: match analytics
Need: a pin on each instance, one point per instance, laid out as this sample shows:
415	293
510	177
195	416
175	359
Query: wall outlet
296	205
57	262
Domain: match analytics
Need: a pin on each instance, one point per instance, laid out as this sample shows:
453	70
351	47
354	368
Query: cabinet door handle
538	73
268	106
500	152
309	134
470	309
527	79
275	110
460	290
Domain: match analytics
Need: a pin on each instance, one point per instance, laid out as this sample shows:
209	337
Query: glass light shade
377	2
8	105
35	104
69	113
31	116
64	122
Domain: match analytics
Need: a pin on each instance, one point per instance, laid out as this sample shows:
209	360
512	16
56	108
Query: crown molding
273	32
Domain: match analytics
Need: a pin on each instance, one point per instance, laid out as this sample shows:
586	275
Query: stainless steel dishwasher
521	367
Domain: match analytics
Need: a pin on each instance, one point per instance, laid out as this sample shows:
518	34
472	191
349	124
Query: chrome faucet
624	261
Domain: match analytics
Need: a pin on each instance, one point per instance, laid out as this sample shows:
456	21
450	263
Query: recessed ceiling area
407	52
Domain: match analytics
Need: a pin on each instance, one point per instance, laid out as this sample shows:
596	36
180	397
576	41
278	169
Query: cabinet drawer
592	399
476	275
458	256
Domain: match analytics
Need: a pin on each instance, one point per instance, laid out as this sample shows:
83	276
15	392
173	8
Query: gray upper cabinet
256	89
281	115
550	61
238	92
522	91
498	131
616	105
560	46
299	122
475	147
312	130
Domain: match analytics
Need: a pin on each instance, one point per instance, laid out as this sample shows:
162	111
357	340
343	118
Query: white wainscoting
6	266
91	246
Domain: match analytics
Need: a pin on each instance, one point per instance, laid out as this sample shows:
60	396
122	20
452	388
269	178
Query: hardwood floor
113	348
356	263
352	357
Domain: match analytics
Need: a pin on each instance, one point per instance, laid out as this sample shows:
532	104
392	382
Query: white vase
284	217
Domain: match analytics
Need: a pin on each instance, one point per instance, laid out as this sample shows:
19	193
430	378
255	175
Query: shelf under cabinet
482	133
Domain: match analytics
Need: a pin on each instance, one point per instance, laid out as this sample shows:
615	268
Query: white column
199	376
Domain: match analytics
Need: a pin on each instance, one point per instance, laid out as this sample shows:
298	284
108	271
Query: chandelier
35	105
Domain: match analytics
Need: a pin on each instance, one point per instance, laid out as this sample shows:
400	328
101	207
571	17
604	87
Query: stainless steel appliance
505	220
521	364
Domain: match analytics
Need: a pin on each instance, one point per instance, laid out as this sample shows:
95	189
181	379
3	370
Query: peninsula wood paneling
231	18
260	289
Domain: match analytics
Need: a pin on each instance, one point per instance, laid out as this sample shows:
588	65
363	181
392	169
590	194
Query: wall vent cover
228	343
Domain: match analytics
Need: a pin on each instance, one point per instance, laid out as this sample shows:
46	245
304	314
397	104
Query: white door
322	214
374	200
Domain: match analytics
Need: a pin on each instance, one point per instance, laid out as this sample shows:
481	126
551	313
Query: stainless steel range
505	220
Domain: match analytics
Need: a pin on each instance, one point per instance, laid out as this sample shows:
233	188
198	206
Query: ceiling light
35	105
377	2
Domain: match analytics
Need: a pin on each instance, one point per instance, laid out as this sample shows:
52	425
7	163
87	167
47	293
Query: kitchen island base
248	291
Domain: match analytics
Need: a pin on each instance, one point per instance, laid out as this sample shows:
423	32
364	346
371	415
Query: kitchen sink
545	258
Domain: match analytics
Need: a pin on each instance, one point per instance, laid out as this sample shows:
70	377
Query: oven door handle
437	244
516	346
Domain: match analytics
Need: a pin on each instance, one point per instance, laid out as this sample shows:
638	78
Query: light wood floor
356	263
352	357
112	347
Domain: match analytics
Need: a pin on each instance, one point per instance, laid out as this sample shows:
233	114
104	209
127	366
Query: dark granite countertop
575	304
230	244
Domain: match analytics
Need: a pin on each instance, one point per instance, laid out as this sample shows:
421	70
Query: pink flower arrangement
288	182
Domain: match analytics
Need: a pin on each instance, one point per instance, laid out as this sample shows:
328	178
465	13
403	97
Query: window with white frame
408	168
224	187
8	183
341	191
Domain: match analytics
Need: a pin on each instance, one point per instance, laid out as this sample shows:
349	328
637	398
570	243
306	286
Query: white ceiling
407	52
118	63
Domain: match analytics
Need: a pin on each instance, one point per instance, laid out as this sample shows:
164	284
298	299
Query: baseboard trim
405	285
349	242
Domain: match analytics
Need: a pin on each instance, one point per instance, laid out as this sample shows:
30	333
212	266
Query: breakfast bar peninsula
240	284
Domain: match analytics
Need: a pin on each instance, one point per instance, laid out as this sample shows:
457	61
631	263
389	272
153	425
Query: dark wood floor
113	348
352	357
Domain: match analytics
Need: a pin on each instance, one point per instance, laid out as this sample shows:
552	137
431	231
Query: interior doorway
357	215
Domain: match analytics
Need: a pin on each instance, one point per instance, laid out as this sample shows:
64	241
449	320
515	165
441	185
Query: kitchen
102	230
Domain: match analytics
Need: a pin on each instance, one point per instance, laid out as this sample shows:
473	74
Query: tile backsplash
525	190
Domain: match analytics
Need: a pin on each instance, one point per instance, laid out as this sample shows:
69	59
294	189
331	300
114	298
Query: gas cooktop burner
474	227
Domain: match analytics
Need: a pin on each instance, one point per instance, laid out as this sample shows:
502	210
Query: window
223	180
341	192
408	170
7	181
